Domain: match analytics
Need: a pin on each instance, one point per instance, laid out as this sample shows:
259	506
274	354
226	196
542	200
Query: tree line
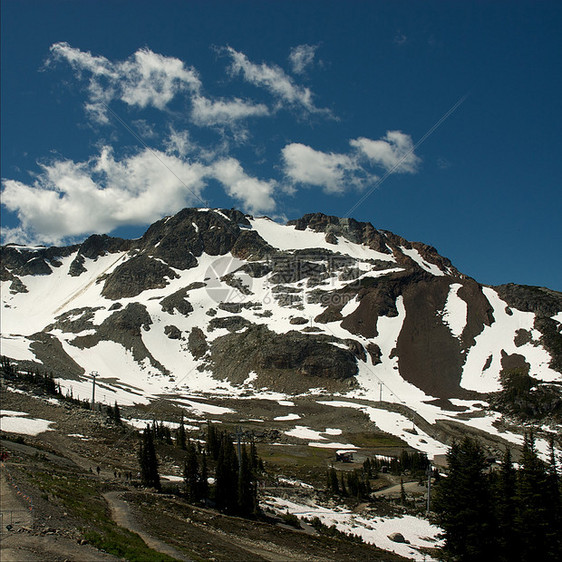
236	470
510	514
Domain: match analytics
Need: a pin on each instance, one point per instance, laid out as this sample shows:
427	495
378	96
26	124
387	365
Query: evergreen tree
181	440
332	481
226	477
203	480
213	444
462	503
247	493
504	489
191	474
148	461
532	524
116	414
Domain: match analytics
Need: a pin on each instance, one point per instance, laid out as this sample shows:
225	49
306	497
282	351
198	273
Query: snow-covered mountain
218	302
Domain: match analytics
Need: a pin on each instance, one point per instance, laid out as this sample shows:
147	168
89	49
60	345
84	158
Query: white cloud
145	79
256	195
302	57
336	173
206	112
275	80
70	199
333	172
395	152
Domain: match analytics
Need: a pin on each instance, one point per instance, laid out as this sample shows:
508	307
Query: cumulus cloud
256	195
69	199
395	151
336	173
333	172
302	57
144	79
275	80
206	112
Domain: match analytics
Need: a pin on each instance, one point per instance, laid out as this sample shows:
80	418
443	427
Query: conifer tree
181	436
247	494
226	477
504	489
332	478
191	474
532	518
116	414
148	461
462	503
204	479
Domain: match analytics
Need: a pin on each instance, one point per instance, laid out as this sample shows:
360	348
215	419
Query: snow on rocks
375	530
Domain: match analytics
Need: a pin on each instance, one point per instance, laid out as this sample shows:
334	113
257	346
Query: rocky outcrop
540	300
177	302
139	273
95	246
197	343
124	327
21	261
287	358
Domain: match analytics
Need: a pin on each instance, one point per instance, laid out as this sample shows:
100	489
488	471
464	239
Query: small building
344	456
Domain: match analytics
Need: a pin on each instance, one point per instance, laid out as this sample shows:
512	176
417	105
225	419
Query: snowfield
19	422
375	530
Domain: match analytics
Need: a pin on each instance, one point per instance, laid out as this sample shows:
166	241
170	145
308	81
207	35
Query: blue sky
439	121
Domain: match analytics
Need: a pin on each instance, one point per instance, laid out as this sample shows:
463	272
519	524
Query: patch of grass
373	440
124	544
82	498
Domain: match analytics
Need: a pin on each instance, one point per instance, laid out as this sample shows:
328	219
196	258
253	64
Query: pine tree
203	480
148	461
504	489
191	474
181	436
247	499
462	503
554	506
213	444
116	414
332	481
226	477
533	521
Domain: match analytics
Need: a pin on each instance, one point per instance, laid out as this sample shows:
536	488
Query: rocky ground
59	508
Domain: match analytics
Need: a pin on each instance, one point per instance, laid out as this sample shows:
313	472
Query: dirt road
122	515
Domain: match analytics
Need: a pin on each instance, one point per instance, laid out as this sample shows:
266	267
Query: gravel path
122	515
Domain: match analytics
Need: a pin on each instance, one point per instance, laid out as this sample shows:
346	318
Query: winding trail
122	515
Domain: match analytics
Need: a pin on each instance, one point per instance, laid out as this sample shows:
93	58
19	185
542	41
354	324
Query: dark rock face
230	323
197	343
543	302
251	246
375	353
177	301
173	332
124	327
75	321
95	246
49	351
479	311
429	355
377	297
20	261
291	355
136	275
515	361
180	239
